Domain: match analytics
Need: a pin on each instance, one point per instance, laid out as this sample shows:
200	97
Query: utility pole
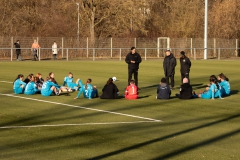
206	30
78	24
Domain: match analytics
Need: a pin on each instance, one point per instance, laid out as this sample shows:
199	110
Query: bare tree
119	18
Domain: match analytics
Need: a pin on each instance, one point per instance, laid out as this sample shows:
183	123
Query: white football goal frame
163	44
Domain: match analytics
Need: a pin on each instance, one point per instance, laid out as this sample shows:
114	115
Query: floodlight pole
206	30
78	24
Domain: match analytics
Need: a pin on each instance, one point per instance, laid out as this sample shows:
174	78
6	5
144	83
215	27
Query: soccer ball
114	78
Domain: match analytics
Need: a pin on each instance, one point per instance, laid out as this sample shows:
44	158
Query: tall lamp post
206	30
78	24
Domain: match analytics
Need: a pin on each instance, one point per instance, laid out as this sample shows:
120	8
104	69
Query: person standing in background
185	66
18	50
54	50
133	59
169	64
34	49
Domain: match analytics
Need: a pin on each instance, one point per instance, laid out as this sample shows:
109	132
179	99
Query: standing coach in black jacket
133	59
18	50
169	64
185	66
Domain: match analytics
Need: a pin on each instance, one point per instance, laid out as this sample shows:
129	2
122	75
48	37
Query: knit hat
182	53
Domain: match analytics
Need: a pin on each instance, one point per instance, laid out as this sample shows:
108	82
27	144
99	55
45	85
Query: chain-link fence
117	48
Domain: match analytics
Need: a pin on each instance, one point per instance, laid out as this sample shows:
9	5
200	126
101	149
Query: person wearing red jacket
131	91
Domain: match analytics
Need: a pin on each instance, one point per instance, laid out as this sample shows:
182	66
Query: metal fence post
191	46
87	47
62	46
120	56
11	48
219	53
158	46
214	47
194	53
236	48
111	48
67	55
93	54
145	54
39	54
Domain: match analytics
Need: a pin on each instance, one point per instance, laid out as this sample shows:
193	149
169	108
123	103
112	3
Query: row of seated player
35	84
217	88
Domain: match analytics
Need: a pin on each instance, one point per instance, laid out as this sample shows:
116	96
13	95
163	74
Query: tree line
119	18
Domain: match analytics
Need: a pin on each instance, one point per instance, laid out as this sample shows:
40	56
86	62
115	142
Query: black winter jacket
109	91
185	64
17	46
169	64
186	91
133	57
163	91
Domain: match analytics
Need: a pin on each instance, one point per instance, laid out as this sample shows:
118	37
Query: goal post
163	44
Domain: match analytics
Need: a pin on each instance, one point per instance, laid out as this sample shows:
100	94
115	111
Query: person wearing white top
54	50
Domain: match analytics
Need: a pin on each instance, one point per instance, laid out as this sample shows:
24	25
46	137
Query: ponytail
110	80
18	77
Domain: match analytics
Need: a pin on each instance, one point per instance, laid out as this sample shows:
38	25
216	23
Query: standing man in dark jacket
133	59
169	64
185	66
18	50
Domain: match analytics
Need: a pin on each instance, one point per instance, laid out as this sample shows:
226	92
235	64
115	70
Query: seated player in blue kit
68	80
88	90
31	88
224	85
49	87
212	91
19	85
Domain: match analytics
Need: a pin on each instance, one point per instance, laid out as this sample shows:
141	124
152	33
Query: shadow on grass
234	92
201	87
37	118
182	150
152	86
141	97
200	84
169	154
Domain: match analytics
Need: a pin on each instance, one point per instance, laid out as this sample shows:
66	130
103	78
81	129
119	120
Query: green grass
190	129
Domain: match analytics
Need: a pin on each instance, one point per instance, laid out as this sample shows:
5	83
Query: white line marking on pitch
81	124
6	82
99	110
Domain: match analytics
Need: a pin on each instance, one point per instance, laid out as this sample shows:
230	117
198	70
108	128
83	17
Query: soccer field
59	127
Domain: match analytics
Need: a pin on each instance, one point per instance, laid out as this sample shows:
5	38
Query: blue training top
225	88
86	90
47	86
69	82
31	88
17	86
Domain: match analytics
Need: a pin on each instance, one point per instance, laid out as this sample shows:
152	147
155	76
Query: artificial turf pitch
59	127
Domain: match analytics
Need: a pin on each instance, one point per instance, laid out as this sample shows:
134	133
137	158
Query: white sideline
99	110
5	82
81	124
